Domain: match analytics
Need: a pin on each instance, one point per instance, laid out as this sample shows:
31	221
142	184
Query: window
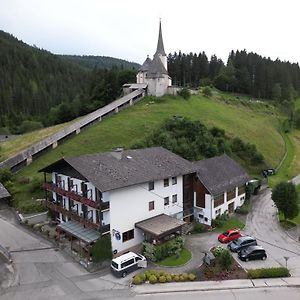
151	205
174	180
174	198
166	182
127	263
242	190
151	185
219	199
128	235
166	201
231	194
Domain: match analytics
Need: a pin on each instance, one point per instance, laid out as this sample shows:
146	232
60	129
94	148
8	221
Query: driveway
262	224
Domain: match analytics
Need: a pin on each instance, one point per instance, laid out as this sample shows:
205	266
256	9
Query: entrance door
231	207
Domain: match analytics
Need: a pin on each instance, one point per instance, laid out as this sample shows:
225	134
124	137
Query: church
153	74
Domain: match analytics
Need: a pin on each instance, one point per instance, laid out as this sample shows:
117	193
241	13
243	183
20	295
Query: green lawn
256	123
230	223
173	261
252	124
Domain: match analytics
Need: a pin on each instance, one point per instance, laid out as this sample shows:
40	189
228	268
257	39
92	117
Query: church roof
156	68
160	44
145	66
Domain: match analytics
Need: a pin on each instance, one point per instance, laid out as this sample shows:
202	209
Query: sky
129	29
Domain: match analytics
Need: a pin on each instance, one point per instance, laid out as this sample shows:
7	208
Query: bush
169	278
176	278
191	276
101	250
207	91
137	280
185	93
6	175
162	279
152	279
225	260
198	227
143	276
28	126
268	273
35	185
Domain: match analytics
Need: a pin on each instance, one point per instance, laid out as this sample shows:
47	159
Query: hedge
268	273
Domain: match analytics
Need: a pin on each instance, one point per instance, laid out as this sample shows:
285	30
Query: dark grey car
241	243
252	252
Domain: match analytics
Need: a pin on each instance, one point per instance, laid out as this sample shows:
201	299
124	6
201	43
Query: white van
126	263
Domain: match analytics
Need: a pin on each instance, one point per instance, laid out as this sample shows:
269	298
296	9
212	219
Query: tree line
38	88
244	72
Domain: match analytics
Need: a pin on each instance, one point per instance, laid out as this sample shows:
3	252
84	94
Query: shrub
152	279
185	93
101	250
137	280
191	276
6	175
185	276
181	278
169	278
35	185
143	276
162	279
176	278
198	227
207	91
268	273
225	259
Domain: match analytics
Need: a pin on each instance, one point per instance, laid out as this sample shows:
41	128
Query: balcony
53	188
104	205
105	228
72	215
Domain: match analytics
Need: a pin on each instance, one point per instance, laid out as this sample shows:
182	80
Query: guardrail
25	157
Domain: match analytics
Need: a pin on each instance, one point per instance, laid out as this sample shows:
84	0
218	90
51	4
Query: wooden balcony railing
71	195
56	207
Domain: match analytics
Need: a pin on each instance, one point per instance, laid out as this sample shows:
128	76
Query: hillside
91	62
33	80
252	122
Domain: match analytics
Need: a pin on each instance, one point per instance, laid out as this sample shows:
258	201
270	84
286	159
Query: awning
160	226
79	231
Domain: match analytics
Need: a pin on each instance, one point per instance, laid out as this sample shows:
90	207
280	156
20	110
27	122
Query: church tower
154	73
160	50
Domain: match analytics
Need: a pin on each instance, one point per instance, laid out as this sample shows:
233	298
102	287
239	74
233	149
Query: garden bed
176	260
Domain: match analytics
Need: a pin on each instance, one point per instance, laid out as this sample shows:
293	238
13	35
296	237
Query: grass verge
174	261
230	223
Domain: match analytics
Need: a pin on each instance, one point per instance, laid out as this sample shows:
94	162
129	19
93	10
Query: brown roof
221	173
160	225
107	172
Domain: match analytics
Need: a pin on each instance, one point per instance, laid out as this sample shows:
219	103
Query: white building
153	74
112	192
219	187
140	194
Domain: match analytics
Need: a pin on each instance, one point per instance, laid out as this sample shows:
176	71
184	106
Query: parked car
126	263
268	172
229	235
241	243
252	252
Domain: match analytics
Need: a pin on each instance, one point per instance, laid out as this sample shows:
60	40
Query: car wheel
246	259
124	274
264	257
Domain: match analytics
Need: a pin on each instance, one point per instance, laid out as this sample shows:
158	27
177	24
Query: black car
252	252
241	243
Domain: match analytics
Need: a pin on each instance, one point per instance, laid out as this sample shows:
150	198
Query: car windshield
115	265
246	251
226	233
236	242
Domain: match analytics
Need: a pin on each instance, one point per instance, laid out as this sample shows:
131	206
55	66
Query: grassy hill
252	121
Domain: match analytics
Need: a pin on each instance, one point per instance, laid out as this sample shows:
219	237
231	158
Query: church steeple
160	44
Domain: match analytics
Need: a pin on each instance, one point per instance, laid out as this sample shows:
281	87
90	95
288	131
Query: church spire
160	44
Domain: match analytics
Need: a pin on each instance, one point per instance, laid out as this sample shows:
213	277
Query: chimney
117	153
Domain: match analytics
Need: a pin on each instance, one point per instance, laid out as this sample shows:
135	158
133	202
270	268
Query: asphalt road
262	224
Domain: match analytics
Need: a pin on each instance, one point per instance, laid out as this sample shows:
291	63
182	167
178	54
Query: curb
217	285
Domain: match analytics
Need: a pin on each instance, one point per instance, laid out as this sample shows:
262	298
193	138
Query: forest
38	88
